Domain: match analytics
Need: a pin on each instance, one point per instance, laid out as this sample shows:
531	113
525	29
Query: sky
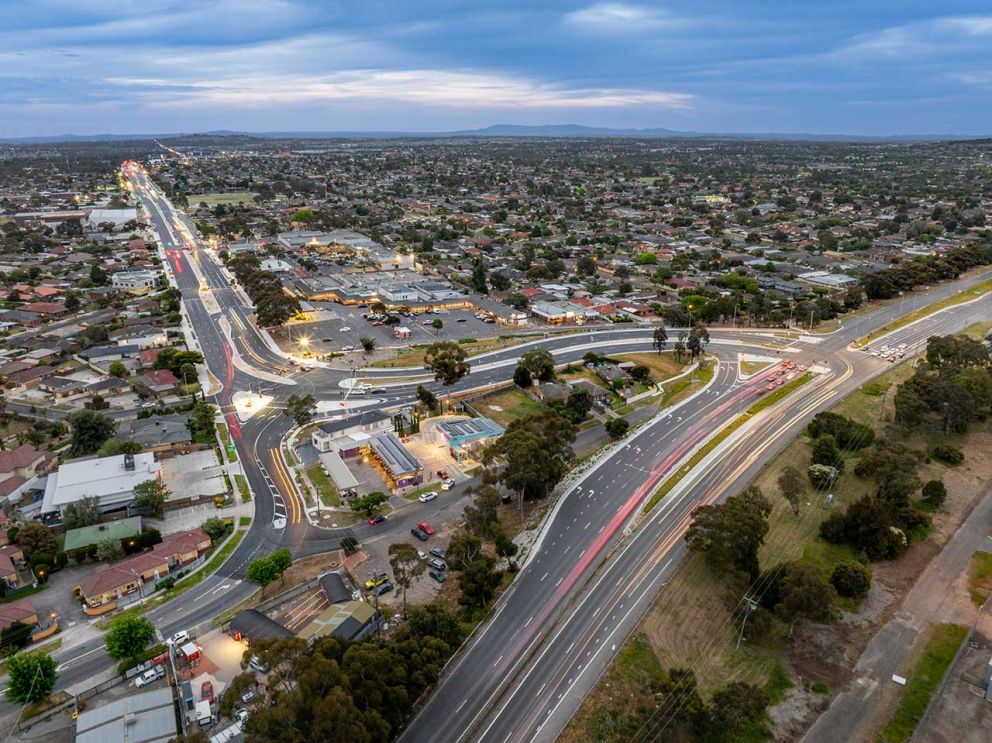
872	67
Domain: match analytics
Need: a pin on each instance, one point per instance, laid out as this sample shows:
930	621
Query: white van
203	714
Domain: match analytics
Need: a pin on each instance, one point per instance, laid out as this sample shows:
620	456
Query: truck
203	714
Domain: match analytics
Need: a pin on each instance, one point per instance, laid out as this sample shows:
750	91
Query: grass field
511	404
414	356
964	295
242	485
662	365
941	646
212	199
980	577
328	493
753	367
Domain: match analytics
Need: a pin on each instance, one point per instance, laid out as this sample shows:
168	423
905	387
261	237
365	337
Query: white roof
105	478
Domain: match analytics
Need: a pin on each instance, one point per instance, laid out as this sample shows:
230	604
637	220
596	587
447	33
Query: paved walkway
936	597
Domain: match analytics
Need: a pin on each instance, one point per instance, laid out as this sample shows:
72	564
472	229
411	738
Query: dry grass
662	365
753	367
414	356
512	404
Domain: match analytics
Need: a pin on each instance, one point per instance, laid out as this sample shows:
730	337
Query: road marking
497	661
529	621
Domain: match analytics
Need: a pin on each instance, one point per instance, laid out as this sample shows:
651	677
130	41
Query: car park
419	534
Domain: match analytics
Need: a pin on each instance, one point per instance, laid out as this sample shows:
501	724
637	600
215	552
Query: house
111	480
350	432
610	373
84	536
142	336
147	716
22	611
398	466
62	387
22	465
160	381
140	281
160	433
8	570
47	310
107	354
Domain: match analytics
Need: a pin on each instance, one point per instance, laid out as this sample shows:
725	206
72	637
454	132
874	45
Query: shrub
934	493
821	475
948	454
852	579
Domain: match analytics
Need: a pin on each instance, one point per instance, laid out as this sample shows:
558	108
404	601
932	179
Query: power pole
750	606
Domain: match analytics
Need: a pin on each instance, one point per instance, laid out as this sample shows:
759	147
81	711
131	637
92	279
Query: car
447	485
258	665
489	321
461	319
207	692
769	387
147	405
347	348
780	382
421	555
247	696
145	678
421	535
376	579
363	306
345	329
426	528
384	588
437	575
437	564
377	519
328	340
377	324
437	552
442	475
758	390
179	638
427	497
241	715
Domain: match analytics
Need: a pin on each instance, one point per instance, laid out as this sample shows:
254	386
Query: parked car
145	678
347	348
438	553
258	665
447	485
241	714
376	580
426	528
427	497
207	692
442	475
384	588
419	534
182	636
437	564
437	575
377	519
247	696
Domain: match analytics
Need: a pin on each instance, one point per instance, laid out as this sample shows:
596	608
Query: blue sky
830	66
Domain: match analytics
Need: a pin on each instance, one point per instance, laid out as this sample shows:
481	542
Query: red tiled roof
22	456
160	376
43	308
18	611
6	565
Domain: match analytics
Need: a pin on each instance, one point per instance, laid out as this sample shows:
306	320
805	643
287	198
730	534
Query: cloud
948	36
616	18
423	87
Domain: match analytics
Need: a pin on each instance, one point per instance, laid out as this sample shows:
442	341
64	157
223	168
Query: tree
522	378
72	302
792	486
506	548
109	550
128	636
35	539
499	281
730	534
539	363
368	344
934	493
805	595
117	369
679	349
851	579
202	418
447	361
660	338
301	408
97	402
89	431
481	515
215	527
821	476
826	452
282	560
407	566
14	636
479	277
427	397
81	513
31	677
617	428
578	406
261	571
150	496
437	323
369	504
535	453
735	707
478	582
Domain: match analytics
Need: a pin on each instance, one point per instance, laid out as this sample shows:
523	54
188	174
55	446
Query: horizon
878	69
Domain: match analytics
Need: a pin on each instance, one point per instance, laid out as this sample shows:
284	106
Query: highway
528	667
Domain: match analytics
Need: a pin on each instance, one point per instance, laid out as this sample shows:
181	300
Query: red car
769	387
377	519
207	692
425	528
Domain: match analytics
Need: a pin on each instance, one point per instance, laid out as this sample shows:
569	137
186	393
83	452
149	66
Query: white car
179	638
427	497
145	678
345	329
347	348
242	714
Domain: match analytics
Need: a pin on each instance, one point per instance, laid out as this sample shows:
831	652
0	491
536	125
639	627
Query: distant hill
506	130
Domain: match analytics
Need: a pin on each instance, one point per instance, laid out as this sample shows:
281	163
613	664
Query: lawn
242	484
414	356
965	295
662	365
328	493
941	647
510	404
212	199
753	367
980	577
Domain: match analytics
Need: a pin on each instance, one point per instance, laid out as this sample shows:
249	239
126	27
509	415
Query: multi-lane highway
592	576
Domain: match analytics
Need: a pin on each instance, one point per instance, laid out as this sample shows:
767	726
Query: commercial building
347	435
466	436
349	621
111	480
398	466
136	282
251	625
146	717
